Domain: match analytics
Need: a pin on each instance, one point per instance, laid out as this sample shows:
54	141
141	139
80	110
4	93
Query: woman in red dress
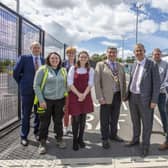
80	81
71	54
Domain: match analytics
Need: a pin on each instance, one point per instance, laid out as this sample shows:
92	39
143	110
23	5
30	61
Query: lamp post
138	6
17	6
123	38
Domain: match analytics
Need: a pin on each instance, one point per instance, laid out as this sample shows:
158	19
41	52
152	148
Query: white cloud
162	5
82	19
73	21
124	53
108	43
164	26
9	3
110	3
148	26
59	4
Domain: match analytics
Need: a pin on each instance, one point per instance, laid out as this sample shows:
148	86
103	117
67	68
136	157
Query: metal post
138	6
137	13
64	50
17	6
122	47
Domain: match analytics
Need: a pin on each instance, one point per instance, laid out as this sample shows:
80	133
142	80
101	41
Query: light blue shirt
138	81
38	60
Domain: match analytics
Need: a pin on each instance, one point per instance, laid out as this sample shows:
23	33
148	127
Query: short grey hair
112	48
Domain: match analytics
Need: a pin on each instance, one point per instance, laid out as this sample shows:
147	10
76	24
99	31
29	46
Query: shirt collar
109	62
35	56
142	62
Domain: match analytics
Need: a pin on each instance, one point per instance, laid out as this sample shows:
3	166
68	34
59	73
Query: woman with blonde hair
71	54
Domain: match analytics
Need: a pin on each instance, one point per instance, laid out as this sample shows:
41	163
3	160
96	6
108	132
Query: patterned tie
135	79
36	64
114	69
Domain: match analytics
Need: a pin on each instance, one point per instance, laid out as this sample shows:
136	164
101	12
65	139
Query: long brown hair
87	65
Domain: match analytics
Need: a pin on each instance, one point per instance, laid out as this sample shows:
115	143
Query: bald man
23	73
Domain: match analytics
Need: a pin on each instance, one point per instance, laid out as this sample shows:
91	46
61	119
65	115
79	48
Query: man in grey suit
162	101
110	88
143	92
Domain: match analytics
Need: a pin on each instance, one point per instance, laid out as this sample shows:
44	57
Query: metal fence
52	44
16	35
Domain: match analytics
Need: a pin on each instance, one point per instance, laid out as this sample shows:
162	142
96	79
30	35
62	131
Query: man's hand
152	105
102	101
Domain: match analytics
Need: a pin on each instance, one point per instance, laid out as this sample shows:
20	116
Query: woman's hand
43	105
81	97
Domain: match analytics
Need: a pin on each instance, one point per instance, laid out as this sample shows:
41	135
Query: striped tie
135	79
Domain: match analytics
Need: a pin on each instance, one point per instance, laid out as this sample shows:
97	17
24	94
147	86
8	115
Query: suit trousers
27	104
141	112
162	102
109	115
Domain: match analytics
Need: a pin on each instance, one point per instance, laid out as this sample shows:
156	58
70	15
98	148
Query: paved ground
12	154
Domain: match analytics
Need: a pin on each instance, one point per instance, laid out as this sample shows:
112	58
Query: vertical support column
19	54
64	50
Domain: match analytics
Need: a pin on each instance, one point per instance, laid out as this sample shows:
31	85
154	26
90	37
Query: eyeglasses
83	57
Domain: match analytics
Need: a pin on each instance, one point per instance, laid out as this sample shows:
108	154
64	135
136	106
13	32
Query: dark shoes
78	143
132	143
81	143
145	152
163	146
75	145
117	139
105	144
24	142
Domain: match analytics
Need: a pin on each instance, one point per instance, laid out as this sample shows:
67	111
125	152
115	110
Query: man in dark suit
143	92
23	73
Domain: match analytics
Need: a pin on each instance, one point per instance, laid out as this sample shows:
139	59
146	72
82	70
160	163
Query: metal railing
16	35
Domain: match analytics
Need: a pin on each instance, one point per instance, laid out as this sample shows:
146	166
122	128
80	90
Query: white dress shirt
38	60
81	70
138	82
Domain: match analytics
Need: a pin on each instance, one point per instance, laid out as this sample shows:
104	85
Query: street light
138	6
123	38
18	6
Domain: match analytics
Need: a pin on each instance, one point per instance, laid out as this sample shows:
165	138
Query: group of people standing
63	90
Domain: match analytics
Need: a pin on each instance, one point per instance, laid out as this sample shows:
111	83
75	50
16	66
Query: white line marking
158	120
125	106
118	126
96	105
121	120
98	126
123	114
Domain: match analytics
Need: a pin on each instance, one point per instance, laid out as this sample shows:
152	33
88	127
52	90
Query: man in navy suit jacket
24	72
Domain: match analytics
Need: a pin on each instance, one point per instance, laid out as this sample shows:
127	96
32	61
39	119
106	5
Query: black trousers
54	109
78	126
109	115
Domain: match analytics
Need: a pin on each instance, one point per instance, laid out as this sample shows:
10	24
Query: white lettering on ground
89	118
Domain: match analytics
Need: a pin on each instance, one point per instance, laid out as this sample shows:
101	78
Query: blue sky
93	25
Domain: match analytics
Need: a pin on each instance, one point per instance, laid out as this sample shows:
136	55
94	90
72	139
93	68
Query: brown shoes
163	146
